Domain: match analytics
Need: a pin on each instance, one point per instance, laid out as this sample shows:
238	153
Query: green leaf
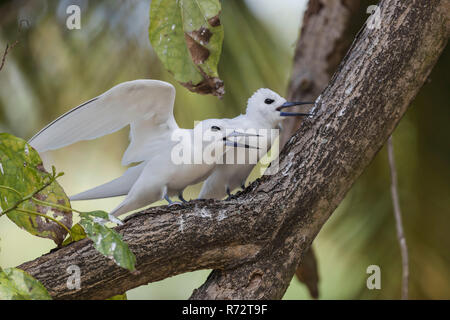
77	233
107	241
21	174
187	36
16	284
119	297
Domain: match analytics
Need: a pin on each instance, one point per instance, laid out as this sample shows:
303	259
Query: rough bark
326	33
255	240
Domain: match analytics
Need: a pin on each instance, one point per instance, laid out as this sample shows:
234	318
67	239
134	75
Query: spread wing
145	105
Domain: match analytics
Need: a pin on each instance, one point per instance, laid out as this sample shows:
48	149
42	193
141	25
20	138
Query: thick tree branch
255	241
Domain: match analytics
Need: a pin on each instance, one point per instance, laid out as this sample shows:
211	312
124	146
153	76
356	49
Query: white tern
147	106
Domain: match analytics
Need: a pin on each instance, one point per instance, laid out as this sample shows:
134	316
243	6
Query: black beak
236	144
292	114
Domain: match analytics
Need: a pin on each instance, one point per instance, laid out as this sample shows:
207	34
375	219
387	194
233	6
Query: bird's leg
168	199
171	203
228	193
180	196
243	185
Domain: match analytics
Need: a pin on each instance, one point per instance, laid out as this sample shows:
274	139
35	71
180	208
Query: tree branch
255	240
8	47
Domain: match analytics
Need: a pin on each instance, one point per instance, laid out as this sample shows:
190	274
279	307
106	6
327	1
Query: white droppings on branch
313	109
349	89
204	213
290	157
342	112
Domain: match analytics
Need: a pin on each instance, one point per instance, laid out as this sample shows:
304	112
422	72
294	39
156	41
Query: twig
54	205
8	47
11	189
398	220
30	196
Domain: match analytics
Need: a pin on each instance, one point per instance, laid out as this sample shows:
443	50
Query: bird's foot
173	203
170	202
115	220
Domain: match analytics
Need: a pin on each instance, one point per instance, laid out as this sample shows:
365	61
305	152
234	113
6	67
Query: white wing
146	105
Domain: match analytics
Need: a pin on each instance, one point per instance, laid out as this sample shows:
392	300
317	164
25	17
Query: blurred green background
53	69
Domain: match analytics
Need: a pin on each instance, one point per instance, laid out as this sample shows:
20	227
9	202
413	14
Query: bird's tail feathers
117	187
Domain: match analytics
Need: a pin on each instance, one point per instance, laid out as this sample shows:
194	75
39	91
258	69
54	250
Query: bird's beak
242	134
236	144
292	114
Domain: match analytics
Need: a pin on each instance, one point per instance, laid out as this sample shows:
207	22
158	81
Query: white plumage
147	106
264	111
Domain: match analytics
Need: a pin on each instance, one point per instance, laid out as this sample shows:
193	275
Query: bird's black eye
269	101
215	128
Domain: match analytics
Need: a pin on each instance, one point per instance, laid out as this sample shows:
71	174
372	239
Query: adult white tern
264	111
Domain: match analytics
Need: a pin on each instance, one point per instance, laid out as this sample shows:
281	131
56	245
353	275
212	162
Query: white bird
264	111
147	106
